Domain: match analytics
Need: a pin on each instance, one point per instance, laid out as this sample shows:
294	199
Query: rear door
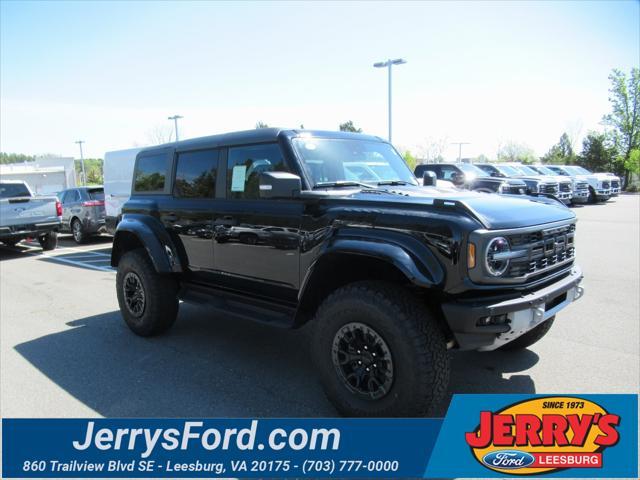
71	207
189	217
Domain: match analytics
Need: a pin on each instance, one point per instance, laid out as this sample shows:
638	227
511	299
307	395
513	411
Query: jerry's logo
543	435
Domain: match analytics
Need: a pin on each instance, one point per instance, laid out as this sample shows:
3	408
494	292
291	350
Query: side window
447	173
150	173
72	196
245	165
62	196
196	174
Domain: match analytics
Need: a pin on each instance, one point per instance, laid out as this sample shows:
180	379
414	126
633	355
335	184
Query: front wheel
148	300
531	337
379	352
48	241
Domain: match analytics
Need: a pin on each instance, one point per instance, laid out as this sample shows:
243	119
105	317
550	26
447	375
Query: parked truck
391	273
118	174
24	215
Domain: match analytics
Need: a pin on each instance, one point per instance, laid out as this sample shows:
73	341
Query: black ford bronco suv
276	226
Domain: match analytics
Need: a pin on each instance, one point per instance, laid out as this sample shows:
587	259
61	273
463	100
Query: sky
478	72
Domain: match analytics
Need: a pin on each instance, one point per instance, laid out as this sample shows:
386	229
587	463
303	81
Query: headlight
497	256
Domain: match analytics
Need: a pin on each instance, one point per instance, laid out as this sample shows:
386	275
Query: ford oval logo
508	459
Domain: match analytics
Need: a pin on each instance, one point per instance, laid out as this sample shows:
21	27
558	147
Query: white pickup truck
24	215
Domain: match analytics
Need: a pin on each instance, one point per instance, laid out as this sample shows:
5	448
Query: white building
44	175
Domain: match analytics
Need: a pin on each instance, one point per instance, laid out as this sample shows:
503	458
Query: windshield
527	170
578	170
508	170
472	170
545	170
344	160
11	190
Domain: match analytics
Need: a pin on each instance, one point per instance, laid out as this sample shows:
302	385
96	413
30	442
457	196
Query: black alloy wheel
362	360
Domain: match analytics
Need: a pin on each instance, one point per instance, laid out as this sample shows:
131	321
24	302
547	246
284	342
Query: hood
539	178
603	176
494	211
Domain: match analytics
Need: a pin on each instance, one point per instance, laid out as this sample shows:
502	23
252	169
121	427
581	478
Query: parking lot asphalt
65	352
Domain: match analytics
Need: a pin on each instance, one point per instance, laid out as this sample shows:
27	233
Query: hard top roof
258	135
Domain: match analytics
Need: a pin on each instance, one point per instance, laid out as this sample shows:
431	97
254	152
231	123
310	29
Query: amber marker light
471	255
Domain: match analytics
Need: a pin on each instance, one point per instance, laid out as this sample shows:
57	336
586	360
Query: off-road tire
160	295
79	236
417	346
531	337
48	241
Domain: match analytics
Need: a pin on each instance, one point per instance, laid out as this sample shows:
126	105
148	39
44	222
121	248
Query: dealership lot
66	352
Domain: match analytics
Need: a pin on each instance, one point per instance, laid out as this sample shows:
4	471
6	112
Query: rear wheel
48	241
531	337
148	300
379	352
76	229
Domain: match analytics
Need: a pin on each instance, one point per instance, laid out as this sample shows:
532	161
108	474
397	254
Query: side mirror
279	185
429	179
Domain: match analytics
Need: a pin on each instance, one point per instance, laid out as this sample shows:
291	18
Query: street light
84	175
175	119
459	149
389	63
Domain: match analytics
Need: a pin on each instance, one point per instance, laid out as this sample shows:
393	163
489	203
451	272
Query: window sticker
238	178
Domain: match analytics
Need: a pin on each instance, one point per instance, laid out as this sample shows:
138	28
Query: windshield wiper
395	182
342	183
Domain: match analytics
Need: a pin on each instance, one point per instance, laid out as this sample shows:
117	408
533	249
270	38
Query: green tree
516	152
624	96
15	158
93	169
410	160
260	124
348	126
598	153
632	164
561	153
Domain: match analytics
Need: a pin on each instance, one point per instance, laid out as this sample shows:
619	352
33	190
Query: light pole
175	119
389	63
460	149
84	175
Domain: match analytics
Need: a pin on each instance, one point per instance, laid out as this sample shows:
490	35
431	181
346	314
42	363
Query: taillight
58	209
93	203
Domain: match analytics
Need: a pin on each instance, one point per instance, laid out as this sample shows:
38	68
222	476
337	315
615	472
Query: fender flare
152	235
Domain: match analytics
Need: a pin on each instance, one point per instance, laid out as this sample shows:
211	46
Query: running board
239	305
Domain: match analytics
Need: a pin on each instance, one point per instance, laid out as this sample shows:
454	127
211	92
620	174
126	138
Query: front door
257	241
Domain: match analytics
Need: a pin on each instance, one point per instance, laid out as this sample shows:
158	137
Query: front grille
615	184
582	186
541	250
550	188
565	187
605	185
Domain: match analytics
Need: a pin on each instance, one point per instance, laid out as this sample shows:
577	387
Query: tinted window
71	196
8	190
196	174
245	165
96	193
150	173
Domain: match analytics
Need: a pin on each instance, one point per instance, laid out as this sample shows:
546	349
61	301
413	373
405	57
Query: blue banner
222	447
481	436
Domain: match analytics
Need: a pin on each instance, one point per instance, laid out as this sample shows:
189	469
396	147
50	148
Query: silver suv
83	212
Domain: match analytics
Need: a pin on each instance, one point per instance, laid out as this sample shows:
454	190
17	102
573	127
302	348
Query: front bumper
565	197
615	191
604	194
516	315
580	196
